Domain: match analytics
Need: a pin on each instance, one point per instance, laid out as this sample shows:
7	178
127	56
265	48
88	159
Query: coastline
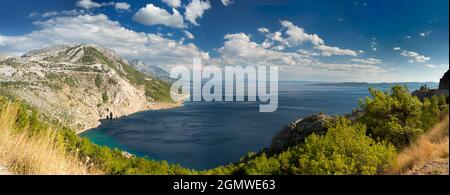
151	107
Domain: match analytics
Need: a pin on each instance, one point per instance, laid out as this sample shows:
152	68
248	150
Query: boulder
296	132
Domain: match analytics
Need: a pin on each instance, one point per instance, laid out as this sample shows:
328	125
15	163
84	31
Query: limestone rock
296	132
79	85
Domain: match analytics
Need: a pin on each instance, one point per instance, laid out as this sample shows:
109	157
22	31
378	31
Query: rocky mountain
443	83
79	85
154	71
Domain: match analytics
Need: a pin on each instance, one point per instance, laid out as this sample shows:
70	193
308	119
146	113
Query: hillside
428	155
81	84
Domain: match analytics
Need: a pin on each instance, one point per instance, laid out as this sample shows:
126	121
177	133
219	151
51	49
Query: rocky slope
296	132
443	84
81	84
429	93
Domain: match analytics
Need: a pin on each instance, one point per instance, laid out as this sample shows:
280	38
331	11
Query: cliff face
443	84
80	85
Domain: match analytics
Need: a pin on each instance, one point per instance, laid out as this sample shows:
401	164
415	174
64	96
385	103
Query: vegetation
154	89
364	146
344	149
430	146
390	121
105	97
397	116
98	81
30	147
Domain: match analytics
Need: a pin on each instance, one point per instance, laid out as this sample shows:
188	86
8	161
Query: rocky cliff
81	84
443	83
296	132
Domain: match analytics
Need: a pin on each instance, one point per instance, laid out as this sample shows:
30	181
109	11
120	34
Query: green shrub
98	81
105	97
394	117
345	149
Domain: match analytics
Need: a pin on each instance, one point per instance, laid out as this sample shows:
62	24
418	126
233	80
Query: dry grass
39	154
433	145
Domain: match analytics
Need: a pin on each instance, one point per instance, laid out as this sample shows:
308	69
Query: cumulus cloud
372	61
152	15
173	3
99	29
226	2
415	57
122	6
195	10
397	48
329	51
297	35
188	34
238	49
88	4
263	30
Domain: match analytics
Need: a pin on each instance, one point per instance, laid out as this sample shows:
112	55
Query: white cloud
173	3
373	44
436	65
308	53
408	37
152	15
226	2
329	51
122	6
238	49
372	61
415	57
397	48
88	4
195	10
263	30
425	34
188	34
351	68
361	51
431	66
297	35
98	29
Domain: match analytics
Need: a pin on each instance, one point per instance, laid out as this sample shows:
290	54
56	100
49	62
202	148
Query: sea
204	135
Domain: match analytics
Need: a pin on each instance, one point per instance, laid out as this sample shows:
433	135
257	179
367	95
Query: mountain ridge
80	85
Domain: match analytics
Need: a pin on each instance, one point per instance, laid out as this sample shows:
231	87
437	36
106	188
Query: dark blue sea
204	135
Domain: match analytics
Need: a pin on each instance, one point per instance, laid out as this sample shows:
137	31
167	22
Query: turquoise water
204	135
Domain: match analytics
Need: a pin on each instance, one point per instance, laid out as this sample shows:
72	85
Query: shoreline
154	106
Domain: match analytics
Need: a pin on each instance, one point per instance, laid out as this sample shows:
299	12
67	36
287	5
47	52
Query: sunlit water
205	135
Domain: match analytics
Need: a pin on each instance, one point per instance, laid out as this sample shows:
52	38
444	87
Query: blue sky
326	40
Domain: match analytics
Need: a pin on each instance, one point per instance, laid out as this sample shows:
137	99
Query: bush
393	117
345	149
399	117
